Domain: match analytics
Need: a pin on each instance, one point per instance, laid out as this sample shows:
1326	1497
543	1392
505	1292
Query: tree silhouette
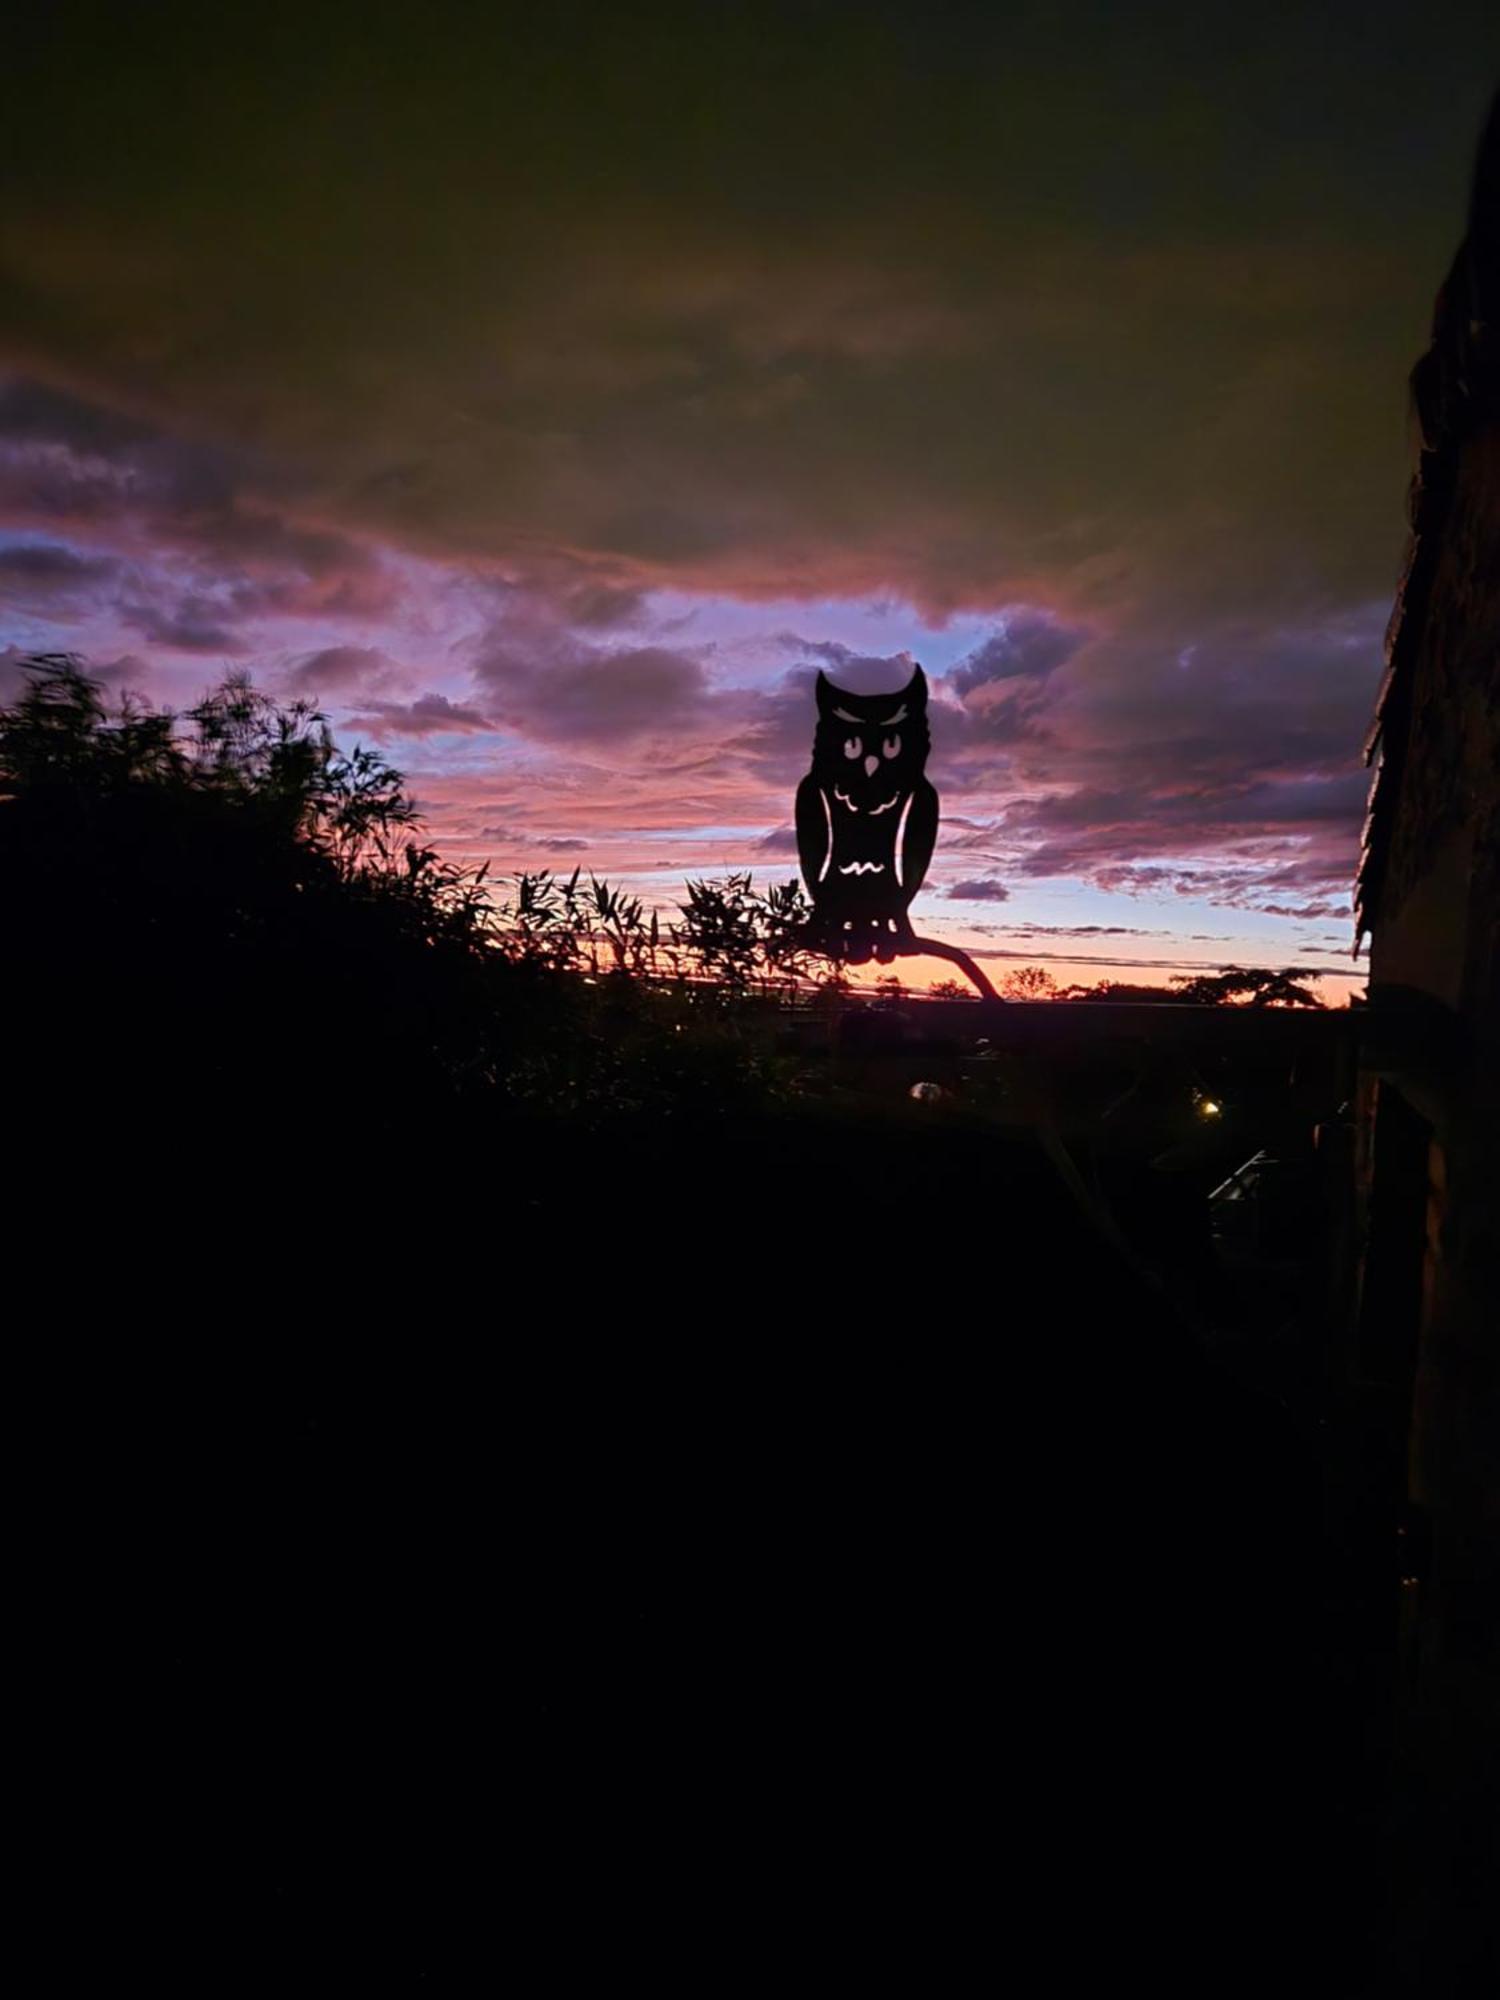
218	882
1029	982
1252	985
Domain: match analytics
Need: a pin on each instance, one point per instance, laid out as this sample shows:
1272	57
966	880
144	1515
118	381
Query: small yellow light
1209	1108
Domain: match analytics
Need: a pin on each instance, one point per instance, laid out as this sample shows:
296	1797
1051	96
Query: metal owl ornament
867	821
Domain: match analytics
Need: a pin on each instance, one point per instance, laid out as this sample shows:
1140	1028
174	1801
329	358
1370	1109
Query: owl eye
892	746
852	747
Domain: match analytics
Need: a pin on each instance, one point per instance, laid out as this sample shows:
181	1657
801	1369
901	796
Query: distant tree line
1230	986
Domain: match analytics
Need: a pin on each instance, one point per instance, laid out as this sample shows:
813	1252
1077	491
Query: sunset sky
551	391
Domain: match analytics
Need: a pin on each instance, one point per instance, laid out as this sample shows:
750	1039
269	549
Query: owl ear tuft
827	693
915	691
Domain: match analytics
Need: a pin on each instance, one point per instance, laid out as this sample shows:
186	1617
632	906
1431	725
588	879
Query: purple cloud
193	625
546	682
780	840
979	889
334	669
51	580
428	715
1027	645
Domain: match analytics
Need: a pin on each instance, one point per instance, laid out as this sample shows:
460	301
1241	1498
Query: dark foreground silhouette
698	1533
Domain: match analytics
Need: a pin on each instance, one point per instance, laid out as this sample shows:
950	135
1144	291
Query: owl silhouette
867	820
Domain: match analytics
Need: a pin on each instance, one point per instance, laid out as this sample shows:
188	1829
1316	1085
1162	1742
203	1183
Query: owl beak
872	765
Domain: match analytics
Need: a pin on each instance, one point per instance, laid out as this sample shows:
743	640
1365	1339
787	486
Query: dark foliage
498	1355
1251	986
196	914
223	911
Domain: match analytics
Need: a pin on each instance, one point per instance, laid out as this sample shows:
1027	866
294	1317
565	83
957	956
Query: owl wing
918	838
814	835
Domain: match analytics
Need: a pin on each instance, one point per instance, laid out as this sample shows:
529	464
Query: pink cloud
429	715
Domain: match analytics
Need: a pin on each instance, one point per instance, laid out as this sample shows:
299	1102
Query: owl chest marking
851	833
